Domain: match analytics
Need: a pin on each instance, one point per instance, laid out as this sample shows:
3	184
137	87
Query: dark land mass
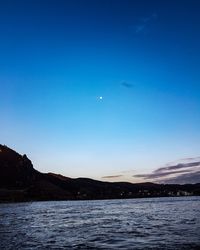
19	181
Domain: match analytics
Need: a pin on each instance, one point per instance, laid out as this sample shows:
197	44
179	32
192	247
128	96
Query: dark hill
16	171
19	181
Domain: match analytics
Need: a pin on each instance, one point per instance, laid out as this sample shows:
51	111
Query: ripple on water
160	223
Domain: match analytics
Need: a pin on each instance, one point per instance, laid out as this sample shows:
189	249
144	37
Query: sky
105	89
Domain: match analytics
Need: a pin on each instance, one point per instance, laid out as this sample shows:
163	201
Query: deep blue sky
58	57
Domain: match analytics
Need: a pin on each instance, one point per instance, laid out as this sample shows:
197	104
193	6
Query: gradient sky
58	57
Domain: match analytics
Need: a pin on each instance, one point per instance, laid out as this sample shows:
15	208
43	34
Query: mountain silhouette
19	181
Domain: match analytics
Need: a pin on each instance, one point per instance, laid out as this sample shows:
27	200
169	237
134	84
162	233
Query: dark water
158	223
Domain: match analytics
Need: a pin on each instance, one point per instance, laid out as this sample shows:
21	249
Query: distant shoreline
98	199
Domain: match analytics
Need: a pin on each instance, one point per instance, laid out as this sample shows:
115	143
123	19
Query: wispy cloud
191	178
157	175
177	173
178	166
126	84
144	23
111	176
189	159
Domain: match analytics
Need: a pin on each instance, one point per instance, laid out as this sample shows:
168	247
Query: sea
152	223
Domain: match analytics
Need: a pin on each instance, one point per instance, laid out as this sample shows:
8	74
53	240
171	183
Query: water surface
153	223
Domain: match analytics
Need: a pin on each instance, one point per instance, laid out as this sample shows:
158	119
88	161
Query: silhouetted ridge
19	181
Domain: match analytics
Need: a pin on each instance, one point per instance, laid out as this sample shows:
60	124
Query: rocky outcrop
16	171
